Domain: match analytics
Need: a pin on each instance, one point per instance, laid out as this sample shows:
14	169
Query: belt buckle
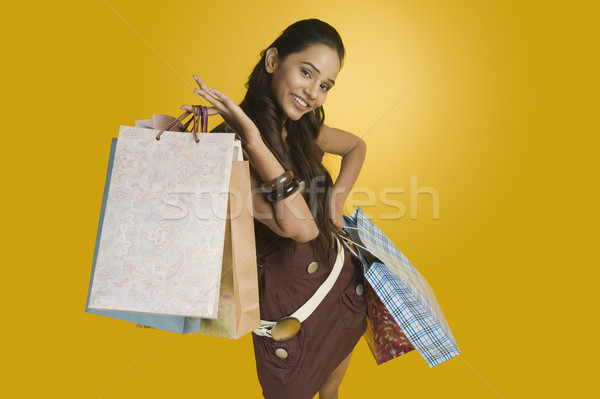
285	329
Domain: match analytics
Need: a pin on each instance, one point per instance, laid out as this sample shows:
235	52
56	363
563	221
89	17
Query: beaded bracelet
281	193
277	183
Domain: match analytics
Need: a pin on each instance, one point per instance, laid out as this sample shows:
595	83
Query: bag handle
199	118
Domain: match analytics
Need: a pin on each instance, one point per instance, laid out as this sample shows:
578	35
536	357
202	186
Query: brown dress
327	336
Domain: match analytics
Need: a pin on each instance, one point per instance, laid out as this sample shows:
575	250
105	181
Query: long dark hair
304	156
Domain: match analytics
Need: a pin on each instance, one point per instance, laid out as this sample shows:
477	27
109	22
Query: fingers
221	103
208	96
220	96
211	110
209	93
200	82
204	90
202	85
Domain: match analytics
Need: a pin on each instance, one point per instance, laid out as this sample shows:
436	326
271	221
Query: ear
271	59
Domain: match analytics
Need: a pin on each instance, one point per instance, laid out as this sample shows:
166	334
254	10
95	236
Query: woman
280	123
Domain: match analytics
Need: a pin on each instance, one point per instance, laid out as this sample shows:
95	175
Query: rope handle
199	118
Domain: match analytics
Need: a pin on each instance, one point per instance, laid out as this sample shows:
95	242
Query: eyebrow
316	69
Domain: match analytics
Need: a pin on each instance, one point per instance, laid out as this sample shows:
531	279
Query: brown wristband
278	182
283	192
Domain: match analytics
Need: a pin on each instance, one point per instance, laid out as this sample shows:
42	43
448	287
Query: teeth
299	100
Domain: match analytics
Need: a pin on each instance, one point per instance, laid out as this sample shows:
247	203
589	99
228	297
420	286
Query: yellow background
495	108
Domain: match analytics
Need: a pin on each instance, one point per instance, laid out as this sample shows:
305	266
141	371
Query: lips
299	102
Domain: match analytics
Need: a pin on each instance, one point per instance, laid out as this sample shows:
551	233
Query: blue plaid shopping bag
404	292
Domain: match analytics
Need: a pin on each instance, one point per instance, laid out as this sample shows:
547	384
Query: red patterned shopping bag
384	337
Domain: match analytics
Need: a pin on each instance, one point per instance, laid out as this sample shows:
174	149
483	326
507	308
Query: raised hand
233	115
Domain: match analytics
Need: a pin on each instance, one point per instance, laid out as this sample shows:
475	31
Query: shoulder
338	141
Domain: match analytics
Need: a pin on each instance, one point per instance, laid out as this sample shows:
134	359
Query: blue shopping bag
404	292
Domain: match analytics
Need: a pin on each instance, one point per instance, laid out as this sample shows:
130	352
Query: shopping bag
176	324
239	311
383	335
401	288
163	121
152	258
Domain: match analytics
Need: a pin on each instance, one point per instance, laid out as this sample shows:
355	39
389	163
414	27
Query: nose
312	90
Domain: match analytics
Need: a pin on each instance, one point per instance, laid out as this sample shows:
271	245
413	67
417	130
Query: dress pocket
281	361
353	304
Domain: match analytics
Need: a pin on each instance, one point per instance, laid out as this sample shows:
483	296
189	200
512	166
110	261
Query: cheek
278	87
282	86
292	81
321	100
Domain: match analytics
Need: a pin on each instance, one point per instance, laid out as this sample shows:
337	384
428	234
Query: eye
325	87
305	72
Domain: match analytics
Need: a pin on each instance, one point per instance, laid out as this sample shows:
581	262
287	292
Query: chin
295	116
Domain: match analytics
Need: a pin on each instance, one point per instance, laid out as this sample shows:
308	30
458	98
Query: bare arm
289	217
353	151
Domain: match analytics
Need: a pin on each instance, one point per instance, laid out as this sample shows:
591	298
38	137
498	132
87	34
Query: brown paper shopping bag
238	312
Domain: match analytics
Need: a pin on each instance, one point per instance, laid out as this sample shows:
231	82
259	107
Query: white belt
288	327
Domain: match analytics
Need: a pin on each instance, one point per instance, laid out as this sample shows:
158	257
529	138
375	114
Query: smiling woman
301	81
311	292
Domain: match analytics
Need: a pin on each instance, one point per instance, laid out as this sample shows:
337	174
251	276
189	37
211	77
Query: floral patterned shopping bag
160	249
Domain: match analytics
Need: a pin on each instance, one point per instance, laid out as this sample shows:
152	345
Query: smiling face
300	83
